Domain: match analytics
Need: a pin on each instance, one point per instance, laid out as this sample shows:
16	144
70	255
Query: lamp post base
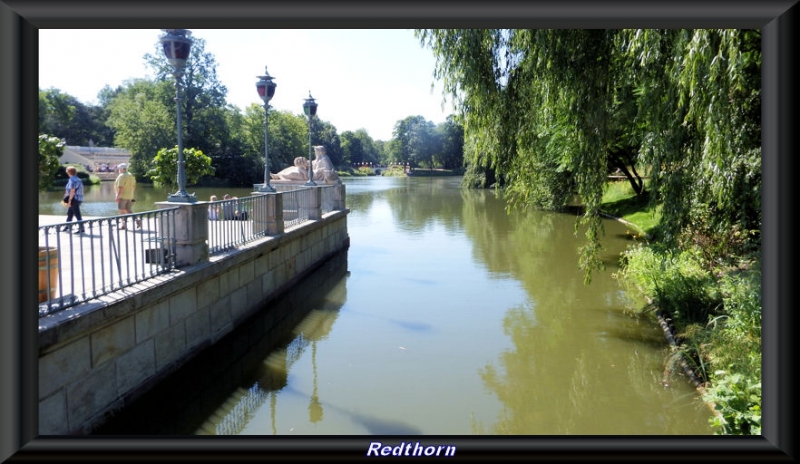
181	197
266	188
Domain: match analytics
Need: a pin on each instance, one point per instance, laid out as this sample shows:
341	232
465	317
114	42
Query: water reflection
456	317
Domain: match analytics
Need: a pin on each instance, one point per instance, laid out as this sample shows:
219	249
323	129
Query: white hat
122	166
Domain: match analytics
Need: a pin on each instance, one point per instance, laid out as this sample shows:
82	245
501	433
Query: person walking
125	186
74	197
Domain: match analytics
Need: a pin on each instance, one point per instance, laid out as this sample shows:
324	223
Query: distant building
99	160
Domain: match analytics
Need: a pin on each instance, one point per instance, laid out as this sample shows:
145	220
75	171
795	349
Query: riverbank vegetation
549	115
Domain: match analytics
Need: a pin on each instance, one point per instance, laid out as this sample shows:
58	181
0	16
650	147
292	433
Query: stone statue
298	172
322	167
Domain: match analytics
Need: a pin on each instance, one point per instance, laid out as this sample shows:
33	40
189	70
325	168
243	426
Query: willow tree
699	95
550	111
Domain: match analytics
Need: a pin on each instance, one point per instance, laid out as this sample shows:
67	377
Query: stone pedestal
191	231
314	207
338	197
268	213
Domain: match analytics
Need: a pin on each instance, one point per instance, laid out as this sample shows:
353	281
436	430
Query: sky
360	78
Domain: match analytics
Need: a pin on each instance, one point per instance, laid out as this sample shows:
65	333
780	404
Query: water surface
448	316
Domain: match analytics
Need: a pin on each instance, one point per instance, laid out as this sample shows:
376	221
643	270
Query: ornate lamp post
177	43
266	89
310	108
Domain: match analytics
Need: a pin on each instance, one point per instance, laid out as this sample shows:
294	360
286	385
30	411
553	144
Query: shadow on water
408	325
181	402
372	424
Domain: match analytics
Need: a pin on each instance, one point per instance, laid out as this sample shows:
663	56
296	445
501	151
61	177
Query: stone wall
96	358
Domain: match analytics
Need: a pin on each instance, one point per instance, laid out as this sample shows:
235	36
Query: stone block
110	342
233	279
260	266
239	303
268	282
224	283
220	317
135	366
53	414
208	292
91	394
198	327
246	273
254	293
152	320
182	305
170	344
62	366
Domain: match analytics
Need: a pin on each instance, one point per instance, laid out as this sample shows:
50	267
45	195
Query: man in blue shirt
74	190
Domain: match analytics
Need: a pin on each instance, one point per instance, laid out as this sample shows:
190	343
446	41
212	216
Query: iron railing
328	198
77	267
74	268
296	206
230	222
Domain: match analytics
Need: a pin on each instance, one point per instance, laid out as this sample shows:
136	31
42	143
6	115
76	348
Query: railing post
315	204
268	214
339	197
191	232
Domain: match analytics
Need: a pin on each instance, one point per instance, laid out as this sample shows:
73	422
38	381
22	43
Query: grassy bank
713	305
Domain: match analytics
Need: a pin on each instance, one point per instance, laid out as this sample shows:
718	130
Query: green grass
619	200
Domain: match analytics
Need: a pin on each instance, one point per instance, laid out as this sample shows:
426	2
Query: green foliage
394	171
50	150
735	388
165	166
678	282
699	97
142	121
737	399
63	116
717	317
202	96
416	141
547	112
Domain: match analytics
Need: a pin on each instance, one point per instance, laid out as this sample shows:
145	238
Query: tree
370	152
288	138
165	166
142	122
63	116
451	134
416	140
550	111
352	149
203	95
324	133
50	150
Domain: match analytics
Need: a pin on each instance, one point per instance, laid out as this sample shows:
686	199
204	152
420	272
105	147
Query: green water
454	318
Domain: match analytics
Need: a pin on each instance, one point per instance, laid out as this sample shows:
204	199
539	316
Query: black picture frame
19	22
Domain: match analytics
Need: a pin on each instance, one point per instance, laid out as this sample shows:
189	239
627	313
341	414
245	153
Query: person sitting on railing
213	210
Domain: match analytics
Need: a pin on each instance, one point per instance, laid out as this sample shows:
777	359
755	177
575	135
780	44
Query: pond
448	315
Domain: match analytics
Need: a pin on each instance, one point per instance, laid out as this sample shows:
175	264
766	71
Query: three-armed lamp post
310	108
266	89
177	43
